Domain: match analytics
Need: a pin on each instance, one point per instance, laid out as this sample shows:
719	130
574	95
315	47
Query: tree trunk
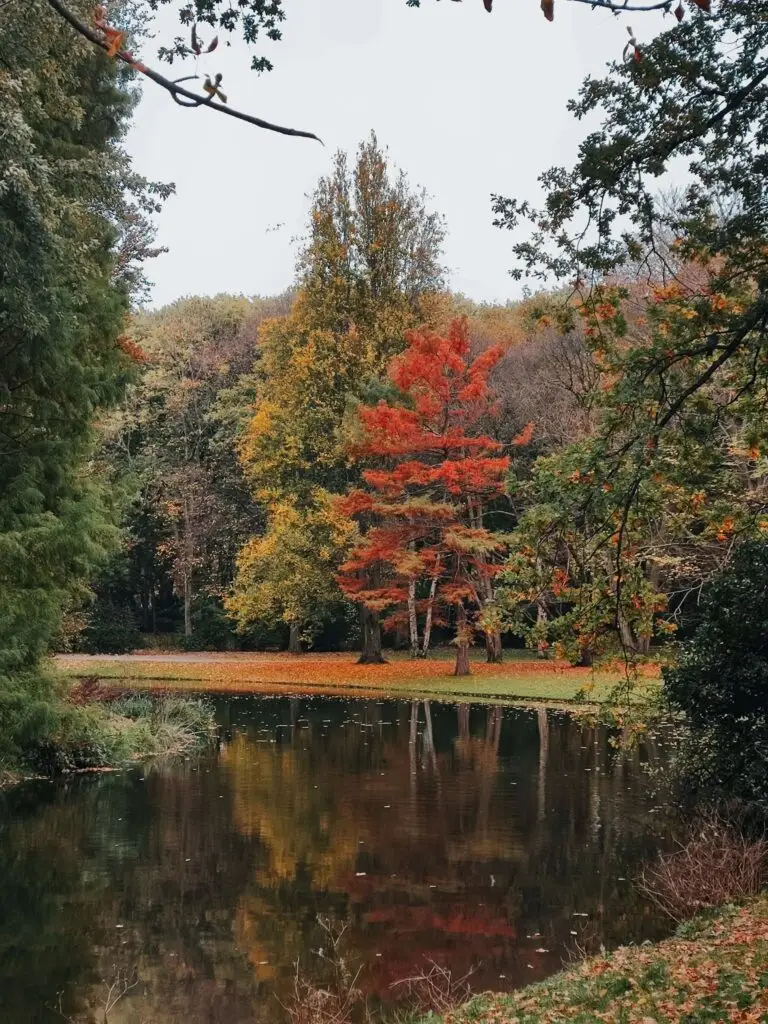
586	658
189	550
542	616
371	653
413	620
294	643
462	644
187	604
627	635
493	649
430	607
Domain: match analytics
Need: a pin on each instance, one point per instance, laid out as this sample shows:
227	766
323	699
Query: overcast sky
467	103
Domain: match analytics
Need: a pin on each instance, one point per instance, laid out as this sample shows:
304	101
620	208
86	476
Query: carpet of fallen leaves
340	674
714	970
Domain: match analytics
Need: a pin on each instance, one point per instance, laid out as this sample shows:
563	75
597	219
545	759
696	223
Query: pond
497	840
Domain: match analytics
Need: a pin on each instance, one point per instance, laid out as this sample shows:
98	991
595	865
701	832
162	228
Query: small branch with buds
110	39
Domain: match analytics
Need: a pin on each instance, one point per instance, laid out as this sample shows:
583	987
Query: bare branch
176	91
621	8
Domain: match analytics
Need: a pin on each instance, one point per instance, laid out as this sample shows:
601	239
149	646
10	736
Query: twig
173	88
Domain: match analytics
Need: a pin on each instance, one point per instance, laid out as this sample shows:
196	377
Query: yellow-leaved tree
287	575
370	269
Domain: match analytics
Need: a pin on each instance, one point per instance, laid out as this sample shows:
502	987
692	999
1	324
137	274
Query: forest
371	464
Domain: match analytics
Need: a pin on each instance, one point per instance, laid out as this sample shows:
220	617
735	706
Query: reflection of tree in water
441	832
48	908
120	873
435	830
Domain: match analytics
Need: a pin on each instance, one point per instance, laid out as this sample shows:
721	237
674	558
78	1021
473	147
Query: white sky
467	103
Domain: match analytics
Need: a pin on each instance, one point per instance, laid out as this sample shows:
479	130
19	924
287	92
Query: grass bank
91	728
518	678
713	969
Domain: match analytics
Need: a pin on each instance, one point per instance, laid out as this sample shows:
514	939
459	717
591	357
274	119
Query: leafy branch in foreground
672	295
109	40
624	7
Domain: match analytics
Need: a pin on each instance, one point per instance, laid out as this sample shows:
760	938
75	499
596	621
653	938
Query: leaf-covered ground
715	970
339	674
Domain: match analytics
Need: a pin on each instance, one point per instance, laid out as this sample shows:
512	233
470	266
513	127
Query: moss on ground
713	969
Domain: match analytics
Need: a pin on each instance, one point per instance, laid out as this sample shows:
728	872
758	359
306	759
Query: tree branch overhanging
614	6
180	95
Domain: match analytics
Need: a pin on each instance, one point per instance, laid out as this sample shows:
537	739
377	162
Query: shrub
721	683
212	628
108	735
717	865
110	629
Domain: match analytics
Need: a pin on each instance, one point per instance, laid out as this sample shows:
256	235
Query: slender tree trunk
294	643
187	604
542	614
430	607
462	647
371	653
413	619
493	649
188	559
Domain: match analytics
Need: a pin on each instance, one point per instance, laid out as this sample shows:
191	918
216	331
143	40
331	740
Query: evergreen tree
64	195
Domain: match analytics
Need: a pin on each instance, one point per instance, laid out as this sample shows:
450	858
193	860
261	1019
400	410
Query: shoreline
712	969
516	681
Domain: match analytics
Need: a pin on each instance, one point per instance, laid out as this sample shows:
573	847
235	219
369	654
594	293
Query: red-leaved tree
424	548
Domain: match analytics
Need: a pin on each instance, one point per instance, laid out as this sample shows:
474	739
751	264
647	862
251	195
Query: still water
491	838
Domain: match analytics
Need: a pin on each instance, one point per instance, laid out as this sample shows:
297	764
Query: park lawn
516	679
713	969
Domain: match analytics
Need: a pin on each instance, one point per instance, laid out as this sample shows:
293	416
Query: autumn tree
171	447
286	576
680	415
424	506
369	270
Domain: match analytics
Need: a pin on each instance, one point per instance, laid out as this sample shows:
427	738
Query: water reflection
481	837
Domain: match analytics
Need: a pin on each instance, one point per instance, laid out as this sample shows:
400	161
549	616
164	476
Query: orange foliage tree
424	548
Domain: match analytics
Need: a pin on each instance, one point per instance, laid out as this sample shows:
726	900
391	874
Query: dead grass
433	990
715	866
